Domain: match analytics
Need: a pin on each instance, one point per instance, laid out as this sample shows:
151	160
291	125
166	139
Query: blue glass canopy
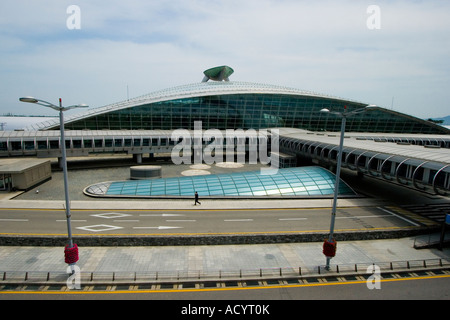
300	181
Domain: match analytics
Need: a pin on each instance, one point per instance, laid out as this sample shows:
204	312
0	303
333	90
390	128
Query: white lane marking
15	220
126	220
161	215
159	227
181	220
238	220
293	219
400	217
364	217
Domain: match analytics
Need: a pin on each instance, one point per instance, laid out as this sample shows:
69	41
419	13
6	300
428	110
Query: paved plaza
212	259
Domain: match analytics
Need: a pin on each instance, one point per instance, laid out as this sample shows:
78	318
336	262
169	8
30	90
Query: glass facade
244	106
301	181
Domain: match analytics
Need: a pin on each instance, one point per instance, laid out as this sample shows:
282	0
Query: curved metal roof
189	91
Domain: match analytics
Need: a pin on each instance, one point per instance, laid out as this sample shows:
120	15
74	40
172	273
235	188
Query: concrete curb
191	240
186	204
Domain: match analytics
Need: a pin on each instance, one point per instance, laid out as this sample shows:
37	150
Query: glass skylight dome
301	181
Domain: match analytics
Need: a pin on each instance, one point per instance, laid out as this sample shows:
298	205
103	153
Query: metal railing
87	277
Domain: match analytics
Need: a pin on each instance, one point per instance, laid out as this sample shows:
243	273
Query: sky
394	54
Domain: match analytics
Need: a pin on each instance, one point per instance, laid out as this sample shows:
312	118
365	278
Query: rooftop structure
218	74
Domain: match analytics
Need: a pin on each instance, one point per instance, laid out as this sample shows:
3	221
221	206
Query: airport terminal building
379	142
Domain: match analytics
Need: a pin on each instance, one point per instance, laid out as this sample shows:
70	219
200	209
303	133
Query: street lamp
330	244
71	251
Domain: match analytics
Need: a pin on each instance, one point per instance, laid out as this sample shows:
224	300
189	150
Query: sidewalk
188	204
212	259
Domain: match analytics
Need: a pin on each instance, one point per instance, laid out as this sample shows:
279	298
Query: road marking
181	220
126	220
364	217
161	215
159	227
15	220
238	220
110	215
293	219
99	227
400	217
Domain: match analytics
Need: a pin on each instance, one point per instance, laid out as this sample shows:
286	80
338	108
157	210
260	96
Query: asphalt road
156	222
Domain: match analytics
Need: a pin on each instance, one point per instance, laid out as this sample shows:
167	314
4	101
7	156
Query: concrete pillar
138	158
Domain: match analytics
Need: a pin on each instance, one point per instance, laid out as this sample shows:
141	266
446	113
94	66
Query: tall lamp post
71	251
330	244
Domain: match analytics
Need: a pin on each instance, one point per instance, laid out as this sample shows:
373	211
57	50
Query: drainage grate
292	281
188	285
166	286
252	283
100	288
122	287
439	272
231	284
210	284
331	279
145	287
312	280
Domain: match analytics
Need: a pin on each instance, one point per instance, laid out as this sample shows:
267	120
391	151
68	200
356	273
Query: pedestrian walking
196	199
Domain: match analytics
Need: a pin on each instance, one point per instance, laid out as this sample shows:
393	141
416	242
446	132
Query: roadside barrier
122	277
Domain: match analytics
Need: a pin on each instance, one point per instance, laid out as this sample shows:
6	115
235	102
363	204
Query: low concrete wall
93	241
